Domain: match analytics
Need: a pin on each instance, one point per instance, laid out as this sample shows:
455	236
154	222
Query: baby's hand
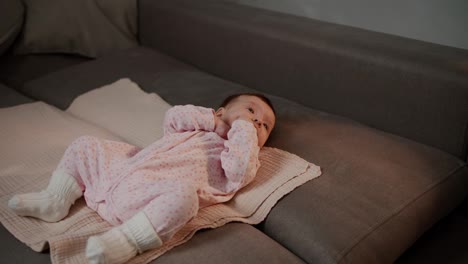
221	128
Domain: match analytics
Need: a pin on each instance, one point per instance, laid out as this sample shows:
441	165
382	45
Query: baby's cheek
263	138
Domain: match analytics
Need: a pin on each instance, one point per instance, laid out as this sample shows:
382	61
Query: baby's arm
240	157
182	118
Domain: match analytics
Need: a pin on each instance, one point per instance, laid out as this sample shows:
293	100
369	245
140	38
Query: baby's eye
266	126
250	110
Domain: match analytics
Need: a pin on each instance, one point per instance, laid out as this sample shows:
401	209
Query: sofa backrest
414	89
11	22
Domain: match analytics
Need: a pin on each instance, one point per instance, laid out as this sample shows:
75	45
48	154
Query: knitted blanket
34	136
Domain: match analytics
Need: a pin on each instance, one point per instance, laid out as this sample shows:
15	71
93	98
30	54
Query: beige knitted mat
34	136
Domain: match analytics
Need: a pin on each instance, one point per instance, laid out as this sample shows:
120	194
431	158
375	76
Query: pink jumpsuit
189	168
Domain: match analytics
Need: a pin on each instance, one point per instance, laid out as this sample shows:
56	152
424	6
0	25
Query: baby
204	158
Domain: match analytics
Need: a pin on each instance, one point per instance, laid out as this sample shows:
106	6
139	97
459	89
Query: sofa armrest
411	88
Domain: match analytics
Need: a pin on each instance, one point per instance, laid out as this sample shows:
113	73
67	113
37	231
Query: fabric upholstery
15	70
11	22
232	243
15	251
446	238
87	27
10	97
139	64
402	86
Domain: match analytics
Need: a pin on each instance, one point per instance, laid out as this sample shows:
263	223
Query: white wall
439	21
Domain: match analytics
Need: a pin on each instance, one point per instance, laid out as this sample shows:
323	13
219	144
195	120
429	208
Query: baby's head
252	107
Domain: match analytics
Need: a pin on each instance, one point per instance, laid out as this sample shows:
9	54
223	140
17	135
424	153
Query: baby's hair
259	95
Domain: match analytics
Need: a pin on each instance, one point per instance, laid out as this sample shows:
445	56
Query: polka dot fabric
189	168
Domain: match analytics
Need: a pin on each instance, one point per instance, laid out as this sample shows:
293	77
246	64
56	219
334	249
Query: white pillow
125	110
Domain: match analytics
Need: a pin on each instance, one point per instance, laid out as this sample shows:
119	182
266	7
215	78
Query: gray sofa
385	117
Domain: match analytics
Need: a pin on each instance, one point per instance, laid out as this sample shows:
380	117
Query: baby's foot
43	205
112	247
51	204
122	243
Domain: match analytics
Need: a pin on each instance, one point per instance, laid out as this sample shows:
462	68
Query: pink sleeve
188	118
240	157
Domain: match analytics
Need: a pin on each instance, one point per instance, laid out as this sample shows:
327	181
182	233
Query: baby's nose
257	122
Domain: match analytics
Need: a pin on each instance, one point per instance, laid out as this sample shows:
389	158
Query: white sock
51	204
122	243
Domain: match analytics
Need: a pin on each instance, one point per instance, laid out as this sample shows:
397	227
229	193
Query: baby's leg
84	165
157	223
51	204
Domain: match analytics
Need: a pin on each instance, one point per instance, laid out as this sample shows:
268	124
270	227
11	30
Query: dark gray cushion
377	195
445	242
11	21
15	70
411	88
378	192
10	97
233	243
14	251
140	64
86	27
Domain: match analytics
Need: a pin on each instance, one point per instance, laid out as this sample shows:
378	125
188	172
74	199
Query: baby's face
253	109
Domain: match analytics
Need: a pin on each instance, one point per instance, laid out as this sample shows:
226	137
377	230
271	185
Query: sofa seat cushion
14	251
15	70
10	97
446	239
232	243
378	192
140	64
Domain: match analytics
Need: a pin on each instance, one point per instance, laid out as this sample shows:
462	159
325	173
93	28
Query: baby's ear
220	111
